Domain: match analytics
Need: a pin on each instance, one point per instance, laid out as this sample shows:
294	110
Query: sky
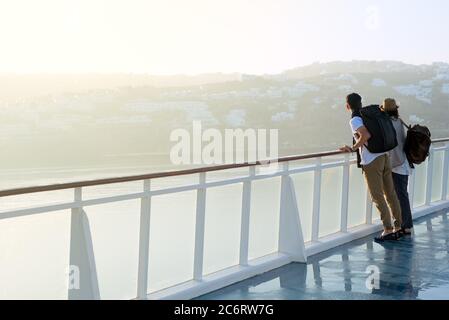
201	36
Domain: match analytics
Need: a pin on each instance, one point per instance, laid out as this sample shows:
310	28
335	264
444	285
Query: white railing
313	203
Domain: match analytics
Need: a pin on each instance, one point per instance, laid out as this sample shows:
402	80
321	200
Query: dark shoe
388	237
403	233
407	233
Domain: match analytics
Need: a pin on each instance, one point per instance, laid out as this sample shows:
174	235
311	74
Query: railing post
316	201
246	210
369	208
291	240
345	195
445	173
429	177
144	242
83	281
199	229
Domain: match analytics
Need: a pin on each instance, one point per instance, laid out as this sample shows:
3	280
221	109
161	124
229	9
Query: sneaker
404	232
388	237
407	232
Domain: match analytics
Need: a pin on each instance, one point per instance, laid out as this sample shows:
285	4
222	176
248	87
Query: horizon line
133	73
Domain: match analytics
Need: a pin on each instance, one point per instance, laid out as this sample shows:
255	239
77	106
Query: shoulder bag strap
404	124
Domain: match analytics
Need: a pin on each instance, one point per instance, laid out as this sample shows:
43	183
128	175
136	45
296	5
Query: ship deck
412	268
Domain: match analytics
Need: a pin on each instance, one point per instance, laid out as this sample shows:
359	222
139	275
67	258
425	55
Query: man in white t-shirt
377	171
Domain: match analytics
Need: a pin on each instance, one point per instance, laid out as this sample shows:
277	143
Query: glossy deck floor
412	268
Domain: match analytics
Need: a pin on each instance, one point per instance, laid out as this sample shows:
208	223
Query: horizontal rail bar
139	195
440	140
106	181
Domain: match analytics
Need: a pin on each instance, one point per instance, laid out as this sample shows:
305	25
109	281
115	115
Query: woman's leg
401	186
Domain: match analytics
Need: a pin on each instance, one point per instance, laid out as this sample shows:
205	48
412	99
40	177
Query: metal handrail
106	181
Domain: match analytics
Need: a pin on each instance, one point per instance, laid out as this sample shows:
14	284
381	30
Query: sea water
35	249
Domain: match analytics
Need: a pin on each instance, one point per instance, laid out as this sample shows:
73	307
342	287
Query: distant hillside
15	85
319	69
127	120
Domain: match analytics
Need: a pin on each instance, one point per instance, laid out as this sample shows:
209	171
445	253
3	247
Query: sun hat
389	105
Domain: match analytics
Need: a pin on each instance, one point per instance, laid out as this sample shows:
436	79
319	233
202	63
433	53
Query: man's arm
362	137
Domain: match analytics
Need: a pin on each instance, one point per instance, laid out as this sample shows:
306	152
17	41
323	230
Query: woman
401	167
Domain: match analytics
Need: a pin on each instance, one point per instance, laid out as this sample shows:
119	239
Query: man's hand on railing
347	149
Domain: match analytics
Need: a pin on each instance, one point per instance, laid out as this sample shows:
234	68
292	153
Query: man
377	171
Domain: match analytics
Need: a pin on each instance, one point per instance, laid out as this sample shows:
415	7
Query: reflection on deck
412	268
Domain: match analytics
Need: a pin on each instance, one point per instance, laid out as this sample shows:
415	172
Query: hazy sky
195	36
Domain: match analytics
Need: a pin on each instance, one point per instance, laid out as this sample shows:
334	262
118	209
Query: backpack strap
405	125
408	128
359	158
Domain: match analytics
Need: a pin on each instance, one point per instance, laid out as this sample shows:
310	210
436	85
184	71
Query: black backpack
383	135
417	144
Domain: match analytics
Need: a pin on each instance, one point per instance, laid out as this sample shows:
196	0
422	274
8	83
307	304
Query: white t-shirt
367	157
404	169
